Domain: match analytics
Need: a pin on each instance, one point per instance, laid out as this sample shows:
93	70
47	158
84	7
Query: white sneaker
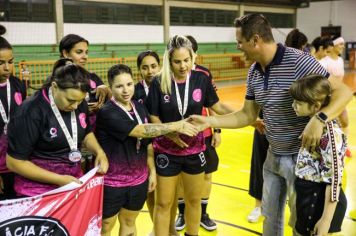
254	215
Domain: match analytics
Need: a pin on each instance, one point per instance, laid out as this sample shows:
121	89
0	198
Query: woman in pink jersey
12	93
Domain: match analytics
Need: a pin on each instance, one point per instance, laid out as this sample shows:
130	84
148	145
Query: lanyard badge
74	155
182	108
138	142
5	117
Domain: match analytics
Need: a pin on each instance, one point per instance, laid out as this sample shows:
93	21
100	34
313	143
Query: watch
217	131
321	116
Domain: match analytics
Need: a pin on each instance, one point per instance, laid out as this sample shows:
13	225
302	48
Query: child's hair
116	70
144	54
311	89
4	44
68	75
176	42
69	41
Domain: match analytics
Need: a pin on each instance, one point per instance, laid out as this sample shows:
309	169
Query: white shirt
334	67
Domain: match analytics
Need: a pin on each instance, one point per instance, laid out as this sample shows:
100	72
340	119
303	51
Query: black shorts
310	206
131	198
212	158
8	182
171	165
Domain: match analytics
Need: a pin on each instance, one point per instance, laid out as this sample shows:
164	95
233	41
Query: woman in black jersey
75	47
12	93
122	131
175	94
148	66
48	130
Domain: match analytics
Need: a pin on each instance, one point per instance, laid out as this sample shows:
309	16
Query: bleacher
223	60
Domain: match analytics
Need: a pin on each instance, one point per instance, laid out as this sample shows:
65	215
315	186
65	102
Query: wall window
201	17
278	20
27	10
109	13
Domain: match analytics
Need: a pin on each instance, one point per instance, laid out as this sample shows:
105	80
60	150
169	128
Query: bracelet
217	131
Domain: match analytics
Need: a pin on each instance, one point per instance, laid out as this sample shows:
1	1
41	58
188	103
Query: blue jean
278	185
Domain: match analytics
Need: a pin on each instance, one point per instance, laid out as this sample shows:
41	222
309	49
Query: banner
74	209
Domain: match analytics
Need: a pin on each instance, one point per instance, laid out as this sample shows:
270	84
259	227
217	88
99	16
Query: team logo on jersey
82	120
162	161
167	98
92	84
53	132
197	94
18	98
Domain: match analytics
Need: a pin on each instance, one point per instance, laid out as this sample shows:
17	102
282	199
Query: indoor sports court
230	203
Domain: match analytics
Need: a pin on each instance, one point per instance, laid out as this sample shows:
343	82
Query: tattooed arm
155	130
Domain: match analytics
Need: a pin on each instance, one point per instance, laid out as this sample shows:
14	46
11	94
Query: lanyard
127	113
2	108
145	86
182	108
73	142
138	142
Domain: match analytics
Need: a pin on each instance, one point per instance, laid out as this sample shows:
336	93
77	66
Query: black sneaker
207	223
180	222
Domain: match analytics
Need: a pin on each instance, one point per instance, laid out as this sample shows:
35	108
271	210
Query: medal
75	156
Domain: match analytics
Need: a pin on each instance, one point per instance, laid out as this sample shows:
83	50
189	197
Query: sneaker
180	222
348	153
207	223
254	215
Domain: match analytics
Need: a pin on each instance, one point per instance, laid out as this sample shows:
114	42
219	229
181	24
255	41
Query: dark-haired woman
75	47
122	127
148	66
49	129
12	93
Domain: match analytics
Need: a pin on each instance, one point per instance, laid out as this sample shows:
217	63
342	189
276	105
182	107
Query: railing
222	67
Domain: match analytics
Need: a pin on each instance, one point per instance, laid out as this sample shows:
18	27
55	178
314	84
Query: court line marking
237	226
228	224
229	186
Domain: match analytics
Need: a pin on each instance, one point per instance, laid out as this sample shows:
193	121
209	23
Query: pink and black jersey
94	82
18	94
35	135
140	93
127	162
201	94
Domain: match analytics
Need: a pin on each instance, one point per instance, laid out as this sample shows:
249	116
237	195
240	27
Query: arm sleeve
211	97
153	99
250	93
306	65
115	124
23	134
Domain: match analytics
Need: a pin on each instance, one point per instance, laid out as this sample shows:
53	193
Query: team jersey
94	82
18	95
201	94
205	111
140	93
127	162
35	135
